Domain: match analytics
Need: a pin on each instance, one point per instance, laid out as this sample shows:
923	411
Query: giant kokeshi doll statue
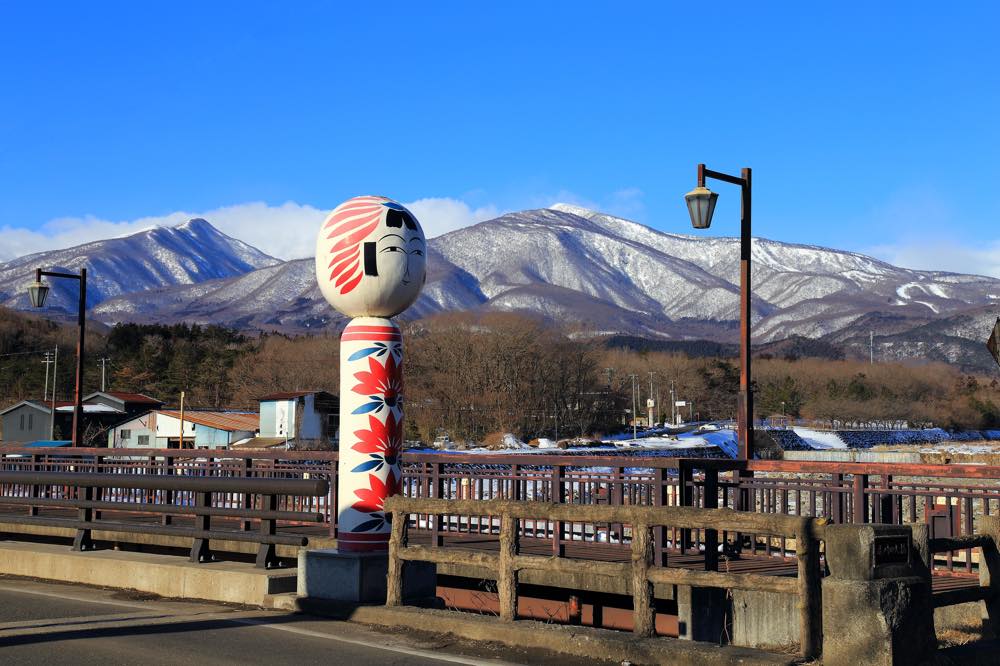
371	265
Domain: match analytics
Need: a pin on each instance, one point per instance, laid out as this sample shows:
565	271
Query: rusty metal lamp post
701	205
38	292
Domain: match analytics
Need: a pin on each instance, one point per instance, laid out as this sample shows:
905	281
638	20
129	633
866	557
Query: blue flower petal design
362	353
369	465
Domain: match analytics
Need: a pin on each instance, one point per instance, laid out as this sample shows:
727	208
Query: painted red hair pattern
349	224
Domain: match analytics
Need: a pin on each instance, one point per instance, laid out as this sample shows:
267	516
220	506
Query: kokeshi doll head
371	257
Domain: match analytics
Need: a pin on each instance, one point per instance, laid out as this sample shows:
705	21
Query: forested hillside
470	376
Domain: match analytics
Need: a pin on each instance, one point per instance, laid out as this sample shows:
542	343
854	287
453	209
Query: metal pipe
297	487
80	351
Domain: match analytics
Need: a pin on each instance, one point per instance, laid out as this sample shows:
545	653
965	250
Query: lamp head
37	292
701	205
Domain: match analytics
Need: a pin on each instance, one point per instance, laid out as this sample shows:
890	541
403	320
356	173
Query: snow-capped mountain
611	275
163	256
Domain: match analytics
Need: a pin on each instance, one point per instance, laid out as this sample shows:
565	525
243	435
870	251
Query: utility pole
651	414
871	347
47	360
634	428
673	404
104	363
182	424
55	382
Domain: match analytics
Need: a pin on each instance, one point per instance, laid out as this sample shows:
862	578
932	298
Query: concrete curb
571	640
165	575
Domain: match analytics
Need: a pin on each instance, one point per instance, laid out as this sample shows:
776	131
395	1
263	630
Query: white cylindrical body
371	431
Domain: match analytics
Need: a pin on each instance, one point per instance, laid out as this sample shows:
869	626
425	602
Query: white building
160	429
300	416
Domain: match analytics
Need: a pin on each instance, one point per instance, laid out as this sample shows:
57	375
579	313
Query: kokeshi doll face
371	257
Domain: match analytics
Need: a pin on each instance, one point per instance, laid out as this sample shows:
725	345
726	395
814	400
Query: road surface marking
249	621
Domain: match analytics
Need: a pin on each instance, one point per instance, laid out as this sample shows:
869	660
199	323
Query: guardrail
90	494
947	497
641	570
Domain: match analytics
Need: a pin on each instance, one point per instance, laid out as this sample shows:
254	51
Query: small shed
301	416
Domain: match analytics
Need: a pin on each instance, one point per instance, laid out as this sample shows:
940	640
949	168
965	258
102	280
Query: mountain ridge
602	273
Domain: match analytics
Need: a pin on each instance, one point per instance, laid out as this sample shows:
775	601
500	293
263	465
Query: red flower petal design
372	499
385	439
382	380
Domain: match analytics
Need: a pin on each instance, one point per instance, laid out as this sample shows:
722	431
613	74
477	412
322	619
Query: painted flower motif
379	349
383	384
371	500
382	442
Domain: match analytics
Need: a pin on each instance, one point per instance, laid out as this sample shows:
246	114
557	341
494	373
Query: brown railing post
860	514
837	499
555	496
331	501
397	541
685	489
642	589
247	497
810	591
711	501
83	540
200	551
507	574
515	483
168	495
437	539
35	467
267	556
659	532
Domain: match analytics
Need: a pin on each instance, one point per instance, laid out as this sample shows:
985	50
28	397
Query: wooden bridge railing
806	532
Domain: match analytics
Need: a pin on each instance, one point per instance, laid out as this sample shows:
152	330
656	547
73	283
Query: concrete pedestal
359	577
877	606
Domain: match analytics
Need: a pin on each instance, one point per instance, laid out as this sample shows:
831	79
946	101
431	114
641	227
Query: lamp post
38	292
701	205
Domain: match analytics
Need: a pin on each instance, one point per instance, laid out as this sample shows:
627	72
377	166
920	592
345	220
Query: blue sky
869	126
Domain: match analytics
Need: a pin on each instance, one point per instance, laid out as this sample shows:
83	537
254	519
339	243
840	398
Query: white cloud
943	255
287	231
439	215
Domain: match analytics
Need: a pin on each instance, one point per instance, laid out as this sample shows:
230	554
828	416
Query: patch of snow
819	439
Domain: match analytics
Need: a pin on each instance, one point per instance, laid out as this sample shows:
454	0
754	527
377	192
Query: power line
40	351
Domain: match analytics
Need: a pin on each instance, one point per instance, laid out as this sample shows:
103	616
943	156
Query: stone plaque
893	549
993	344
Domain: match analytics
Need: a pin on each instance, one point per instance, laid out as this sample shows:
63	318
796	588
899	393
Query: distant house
308	418
161	429
127	403
30	421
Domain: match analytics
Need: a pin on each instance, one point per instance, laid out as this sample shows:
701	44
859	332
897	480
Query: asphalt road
51	624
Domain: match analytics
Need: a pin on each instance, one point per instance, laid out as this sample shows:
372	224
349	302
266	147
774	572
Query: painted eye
419	253
392	248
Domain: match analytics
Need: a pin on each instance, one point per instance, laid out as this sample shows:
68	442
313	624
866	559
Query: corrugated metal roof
231	421
133	397
287	395
261	443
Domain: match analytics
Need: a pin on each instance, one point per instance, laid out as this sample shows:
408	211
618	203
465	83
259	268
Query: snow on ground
818	439
512	442
661	443
546	443
964	449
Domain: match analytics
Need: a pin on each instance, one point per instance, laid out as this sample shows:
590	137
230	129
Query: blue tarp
49	443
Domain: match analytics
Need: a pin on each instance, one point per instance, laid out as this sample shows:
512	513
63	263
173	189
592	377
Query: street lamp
37	293
701	205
